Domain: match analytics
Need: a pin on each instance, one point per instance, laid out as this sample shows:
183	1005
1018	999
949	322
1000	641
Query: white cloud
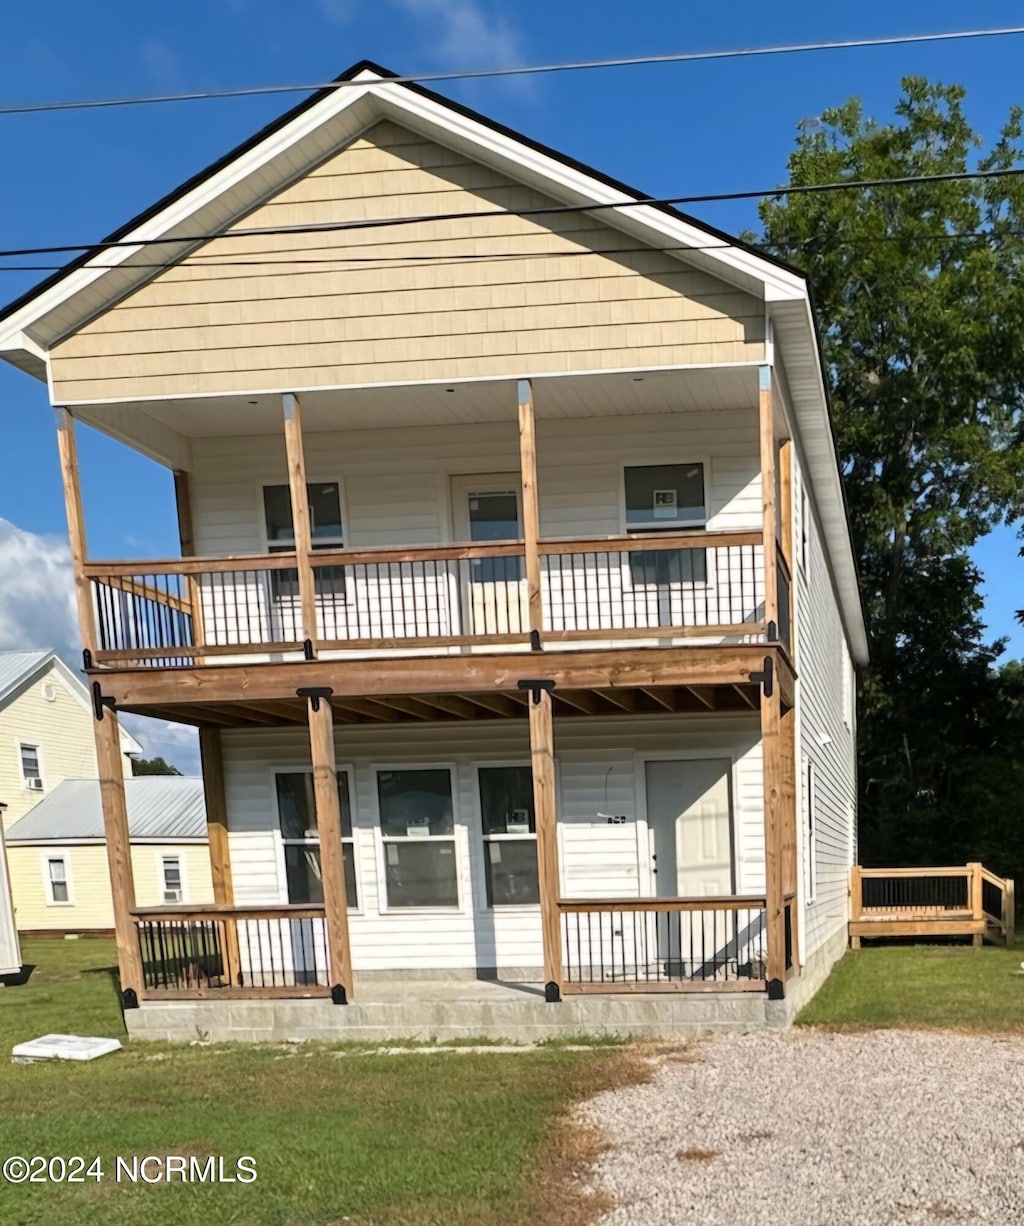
37	610
468	33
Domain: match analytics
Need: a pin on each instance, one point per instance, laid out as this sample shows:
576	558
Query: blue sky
673	129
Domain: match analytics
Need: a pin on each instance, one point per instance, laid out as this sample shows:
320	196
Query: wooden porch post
976	897
772	746
542	761
109	761
211	756
68	450
187	541
300	518
531	508
328	824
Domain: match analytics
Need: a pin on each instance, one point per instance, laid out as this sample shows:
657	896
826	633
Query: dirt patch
561	1182
695	1154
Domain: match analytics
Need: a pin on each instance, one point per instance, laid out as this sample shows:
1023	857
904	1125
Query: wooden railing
223	951
664	944
189	610
965	900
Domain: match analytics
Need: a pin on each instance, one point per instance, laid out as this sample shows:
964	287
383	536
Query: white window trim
45	858
649	461
163	855
344	543
480	859
298	768
20	744
459	838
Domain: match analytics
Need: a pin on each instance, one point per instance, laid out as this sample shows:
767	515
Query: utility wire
681	57
436	261
541	211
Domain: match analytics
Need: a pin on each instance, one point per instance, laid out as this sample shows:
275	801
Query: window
659	498
57	876
296	812
810	832
325	530
510	835
30	768
170	868
493	515
418	831
848	689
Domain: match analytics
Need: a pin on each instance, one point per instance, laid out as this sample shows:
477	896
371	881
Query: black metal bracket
101	700
307	649
314	693
552	993
86	659
776	989
535	687
338	995
772	632
129	999
535	643
766	677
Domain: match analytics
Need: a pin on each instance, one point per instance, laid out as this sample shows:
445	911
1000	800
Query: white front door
690	827
487	510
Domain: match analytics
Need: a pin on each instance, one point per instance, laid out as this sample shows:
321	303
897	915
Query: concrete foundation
442	1009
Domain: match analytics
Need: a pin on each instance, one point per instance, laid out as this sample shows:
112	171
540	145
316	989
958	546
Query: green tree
153	766
920	301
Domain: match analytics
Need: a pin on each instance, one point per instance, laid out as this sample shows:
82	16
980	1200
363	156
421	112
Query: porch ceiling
446	404
460	707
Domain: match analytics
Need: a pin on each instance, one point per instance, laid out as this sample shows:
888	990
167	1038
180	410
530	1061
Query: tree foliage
153	766
920	300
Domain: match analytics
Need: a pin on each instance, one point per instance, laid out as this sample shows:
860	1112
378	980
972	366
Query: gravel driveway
806	1128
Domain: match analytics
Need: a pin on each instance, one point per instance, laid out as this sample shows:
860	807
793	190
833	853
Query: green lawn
405	1140
923	985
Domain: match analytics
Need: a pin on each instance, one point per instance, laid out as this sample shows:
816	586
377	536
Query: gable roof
161	808
19	669
329	120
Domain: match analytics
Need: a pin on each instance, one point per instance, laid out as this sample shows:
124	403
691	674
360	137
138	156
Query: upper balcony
609	511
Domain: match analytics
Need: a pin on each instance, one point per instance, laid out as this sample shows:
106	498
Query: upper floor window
805	530
660	498
170	870
325	531
31	771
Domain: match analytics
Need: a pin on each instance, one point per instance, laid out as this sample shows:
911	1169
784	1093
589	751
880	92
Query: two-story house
516	609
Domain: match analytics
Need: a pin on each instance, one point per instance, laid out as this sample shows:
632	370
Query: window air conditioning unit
172	896
34	785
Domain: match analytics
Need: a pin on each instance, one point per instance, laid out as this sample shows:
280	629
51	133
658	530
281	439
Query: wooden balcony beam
483	679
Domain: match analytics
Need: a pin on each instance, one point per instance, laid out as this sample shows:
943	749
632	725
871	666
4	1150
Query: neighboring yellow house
45	730
58	860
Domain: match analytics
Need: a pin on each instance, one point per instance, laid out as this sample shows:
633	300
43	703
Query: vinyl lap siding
597	771
212	329
821	647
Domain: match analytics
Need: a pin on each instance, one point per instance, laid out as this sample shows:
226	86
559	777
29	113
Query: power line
540	211
681	57
434	261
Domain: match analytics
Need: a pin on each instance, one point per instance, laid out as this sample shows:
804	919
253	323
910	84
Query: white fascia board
448	126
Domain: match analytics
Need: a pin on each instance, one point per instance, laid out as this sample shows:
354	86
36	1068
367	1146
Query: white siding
824	738
599	764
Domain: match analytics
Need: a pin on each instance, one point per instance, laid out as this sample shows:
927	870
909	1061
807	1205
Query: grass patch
922	986
459	1139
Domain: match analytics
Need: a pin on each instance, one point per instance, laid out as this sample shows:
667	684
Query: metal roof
18	666
164	807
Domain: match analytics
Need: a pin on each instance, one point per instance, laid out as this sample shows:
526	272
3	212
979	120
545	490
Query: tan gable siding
197	330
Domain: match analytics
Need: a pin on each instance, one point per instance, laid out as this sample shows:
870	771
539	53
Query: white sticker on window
665	504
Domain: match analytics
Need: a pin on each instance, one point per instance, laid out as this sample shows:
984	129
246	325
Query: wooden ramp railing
965	900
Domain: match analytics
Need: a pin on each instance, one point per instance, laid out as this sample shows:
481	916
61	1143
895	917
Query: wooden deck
963	900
